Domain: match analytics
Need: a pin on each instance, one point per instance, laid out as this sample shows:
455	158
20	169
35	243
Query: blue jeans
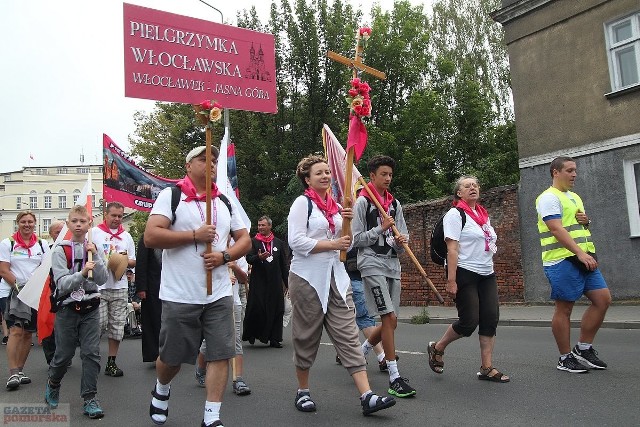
363	320
72	328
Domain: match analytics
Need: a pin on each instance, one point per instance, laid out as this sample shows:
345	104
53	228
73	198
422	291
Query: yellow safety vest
552	250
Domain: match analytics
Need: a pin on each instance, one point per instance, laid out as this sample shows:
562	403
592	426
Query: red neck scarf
329	207
266	240
480	216
385	201
104	227
20	243
187	187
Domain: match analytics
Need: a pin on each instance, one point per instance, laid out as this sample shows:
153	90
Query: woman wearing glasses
471	281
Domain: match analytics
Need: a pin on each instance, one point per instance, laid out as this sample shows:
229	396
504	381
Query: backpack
175	200
13	242
437	243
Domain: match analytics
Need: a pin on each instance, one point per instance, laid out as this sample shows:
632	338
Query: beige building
49	192
575	73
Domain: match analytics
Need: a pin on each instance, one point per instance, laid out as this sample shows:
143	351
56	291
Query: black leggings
477	303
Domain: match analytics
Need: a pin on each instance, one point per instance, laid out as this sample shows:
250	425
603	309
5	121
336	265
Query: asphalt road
538	394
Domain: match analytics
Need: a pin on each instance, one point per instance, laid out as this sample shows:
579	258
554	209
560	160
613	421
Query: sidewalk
618	316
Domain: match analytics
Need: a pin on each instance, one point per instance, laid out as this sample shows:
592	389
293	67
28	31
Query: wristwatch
226	257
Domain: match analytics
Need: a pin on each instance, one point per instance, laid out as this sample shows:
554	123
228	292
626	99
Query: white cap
199	150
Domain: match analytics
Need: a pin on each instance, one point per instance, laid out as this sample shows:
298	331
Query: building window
15	225
33	200
623	44
47	202
632	189
18	202
76	196
46	223
62	200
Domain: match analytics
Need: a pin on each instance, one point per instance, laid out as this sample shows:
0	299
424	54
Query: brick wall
502	204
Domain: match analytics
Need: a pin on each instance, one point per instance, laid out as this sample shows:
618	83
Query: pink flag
337	159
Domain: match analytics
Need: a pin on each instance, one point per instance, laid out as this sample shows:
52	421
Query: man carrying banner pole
187	309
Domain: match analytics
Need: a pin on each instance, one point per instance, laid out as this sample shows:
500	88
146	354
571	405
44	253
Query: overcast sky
62	74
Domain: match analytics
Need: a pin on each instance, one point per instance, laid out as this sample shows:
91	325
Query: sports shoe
112	370
588	357
571	364
200	377
92	408
400	387
4	340
240	387
52	396
13	382
23	378
338	361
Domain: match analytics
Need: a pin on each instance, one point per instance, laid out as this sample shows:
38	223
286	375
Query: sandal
498	377
154	410
436	366
380	403
304	403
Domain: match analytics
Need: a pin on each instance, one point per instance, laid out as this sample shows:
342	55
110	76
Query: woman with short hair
20	255
471	281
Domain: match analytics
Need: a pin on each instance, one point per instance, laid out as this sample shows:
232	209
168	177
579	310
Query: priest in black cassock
267	284
148	268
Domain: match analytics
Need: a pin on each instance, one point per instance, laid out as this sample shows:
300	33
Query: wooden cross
358	66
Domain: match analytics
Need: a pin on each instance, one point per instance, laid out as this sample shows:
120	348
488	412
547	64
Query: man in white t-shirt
570	264
110	237
187	310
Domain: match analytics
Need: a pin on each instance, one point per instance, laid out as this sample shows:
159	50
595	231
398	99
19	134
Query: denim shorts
363	320
569	283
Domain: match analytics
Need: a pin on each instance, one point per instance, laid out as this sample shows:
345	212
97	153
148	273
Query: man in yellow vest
571	266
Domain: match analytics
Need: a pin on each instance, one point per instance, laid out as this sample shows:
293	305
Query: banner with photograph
126	182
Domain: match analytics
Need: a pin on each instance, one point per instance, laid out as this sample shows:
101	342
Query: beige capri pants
308	320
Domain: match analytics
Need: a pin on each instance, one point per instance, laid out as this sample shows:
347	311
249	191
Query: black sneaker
4	340
112	370
571	364
400	388
588	357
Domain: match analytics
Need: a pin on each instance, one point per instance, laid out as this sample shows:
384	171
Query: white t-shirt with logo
22	265
183	277
472	255
108	244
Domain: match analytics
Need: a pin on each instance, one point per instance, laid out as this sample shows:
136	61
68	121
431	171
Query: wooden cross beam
358	66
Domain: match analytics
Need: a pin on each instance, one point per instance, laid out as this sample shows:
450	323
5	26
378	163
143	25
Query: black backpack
438	245
175	200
